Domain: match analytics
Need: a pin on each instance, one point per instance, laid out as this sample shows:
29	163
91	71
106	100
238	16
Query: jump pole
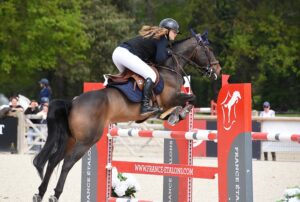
199	134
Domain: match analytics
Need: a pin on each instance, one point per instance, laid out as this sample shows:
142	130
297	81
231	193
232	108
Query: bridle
207	70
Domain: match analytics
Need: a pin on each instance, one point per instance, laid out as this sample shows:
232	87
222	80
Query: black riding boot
147	95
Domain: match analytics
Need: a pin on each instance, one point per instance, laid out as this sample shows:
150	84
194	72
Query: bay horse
75	126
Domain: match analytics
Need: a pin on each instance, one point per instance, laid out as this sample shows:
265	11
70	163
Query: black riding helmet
170	23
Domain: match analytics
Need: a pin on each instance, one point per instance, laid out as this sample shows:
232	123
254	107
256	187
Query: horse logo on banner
229	109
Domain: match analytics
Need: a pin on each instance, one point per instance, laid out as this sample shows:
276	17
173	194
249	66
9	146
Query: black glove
169	51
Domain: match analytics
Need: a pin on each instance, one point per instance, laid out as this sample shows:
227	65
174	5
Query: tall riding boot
147	95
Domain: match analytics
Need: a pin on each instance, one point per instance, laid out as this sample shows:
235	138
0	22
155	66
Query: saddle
127	75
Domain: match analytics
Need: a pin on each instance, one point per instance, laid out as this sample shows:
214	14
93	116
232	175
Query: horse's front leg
176	114
187	102
180	105
185	111
183	99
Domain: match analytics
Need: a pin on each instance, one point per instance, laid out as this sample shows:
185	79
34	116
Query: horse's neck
185	47
171	78
173	74
182	49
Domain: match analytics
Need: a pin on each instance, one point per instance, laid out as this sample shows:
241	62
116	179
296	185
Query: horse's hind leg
52	163
78	151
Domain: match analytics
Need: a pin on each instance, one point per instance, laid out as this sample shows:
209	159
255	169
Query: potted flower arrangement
291	195
123	184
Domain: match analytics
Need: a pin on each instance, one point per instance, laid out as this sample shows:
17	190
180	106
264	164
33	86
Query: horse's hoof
53	199
185	111
36	198
173	119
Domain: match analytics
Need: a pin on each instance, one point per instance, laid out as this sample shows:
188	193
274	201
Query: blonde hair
153	31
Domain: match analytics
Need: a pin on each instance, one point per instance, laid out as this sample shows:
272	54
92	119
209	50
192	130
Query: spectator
268	112
43	113
32	109
45	93
14	105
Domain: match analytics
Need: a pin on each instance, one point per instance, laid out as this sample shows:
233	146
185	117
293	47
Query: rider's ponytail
153	31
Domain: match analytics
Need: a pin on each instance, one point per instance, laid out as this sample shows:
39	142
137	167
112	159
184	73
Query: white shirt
270	113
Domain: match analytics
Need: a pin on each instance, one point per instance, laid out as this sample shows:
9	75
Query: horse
75	126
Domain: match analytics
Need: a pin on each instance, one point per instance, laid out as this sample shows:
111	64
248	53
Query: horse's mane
178	42
175	43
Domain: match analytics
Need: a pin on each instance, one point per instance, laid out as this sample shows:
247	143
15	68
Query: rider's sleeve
161	50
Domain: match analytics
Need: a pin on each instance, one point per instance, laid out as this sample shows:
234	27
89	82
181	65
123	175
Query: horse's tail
58	133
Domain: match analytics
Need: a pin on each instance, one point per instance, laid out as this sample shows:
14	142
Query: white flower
292	191
131	182
122	183
291	195
294	199
121	188
114	178
114	172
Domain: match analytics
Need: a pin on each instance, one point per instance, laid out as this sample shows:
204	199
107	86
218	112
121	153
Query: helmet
169	23
44	81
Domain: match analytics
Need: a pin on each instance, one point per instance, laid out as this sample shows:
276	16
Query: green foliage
256	43
265	49
106	27
71	41
44	33
40	36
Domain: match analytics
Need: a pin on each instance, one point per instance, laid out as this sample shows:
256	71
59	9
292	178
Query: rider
151	46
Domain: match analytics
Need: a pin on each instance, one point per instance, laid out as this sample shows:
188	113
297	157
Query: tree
39	36
72	41
106	28
256	43
263	50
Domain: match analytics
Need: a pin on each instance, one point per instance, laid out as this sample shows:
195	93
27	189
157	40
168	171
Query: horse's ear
193	32
197	36
204	37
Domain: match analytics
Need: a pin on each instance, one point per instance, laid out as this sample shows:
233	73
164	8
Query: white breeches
123	58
